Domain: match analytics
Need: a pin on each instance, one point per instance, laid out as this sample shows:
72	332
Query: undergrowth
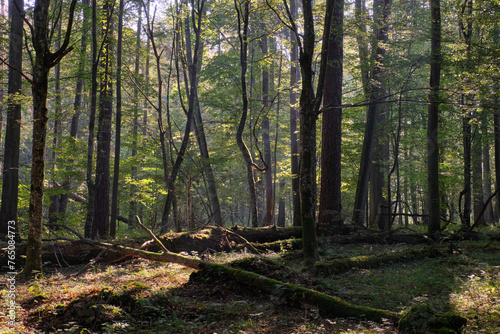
144	297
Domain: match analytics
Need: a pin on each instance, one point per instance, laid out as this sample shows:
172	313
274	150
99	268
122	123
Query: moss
422	318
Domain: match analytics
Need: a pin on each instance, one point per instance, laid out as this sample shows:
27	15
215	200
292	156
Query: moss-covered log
339	266
328	305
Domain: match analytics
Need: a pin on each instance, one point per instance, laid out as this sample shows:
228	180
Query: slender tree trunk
100	224
330	199
433	120
477	174
243	18
202	140
488	214
496	121
44	61
90	142
10	171
266	140
118	125
54	211
135	126
197	15
294	120
376	94
465	25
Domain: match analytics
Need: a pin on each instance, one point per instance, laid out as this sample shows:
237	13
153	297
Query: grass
143	297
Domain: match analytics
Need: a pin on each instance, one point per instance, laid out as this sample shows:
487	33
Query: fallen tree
328	305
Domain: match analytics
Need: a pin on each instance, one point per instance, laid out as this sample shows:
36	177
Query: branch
17	70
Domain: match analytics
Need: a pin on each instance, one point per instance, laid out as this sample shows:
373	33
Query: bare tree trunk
100	224
376	96
330	198
488	214
294	120
10	168
135	124
90	142
243	18
118	125
266	140
433	120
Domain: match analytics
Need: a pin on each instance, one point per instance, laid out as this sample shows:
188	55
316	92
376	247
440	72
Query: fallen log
338	266
328	305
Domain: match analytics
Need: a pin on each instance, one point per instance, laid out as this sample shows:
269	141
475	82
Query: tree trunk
100	224
57	132
488	214
90	142
44	61
243	18
330	198
202	140
266	140
382	11
294	120
477	174
135	124
118	125
10	168
433	120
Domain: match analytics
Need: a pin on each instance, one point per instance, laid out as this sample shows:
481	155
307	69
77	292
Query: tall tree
330	198
243	11
200	134
44	61
465	26
266	140
118	124
10	171
197	14
91	127
294	118
433	120
375	93
100	223
310	103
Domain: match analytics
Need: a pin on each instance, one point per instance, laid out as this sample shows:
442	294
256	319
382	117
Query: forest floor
138	296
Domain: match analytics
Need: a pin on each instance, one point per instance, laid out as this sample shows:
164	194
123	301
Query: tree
433	120
100	223
330	198
118	125
243	10
44	61
294	118
10	168
197	14
375	93
310	103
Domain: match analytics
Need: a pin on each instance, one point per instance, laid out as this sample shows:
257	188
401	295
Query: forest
250	166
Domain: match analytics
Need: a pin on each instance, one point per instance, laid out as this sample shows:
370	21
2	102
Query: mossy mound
422	318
